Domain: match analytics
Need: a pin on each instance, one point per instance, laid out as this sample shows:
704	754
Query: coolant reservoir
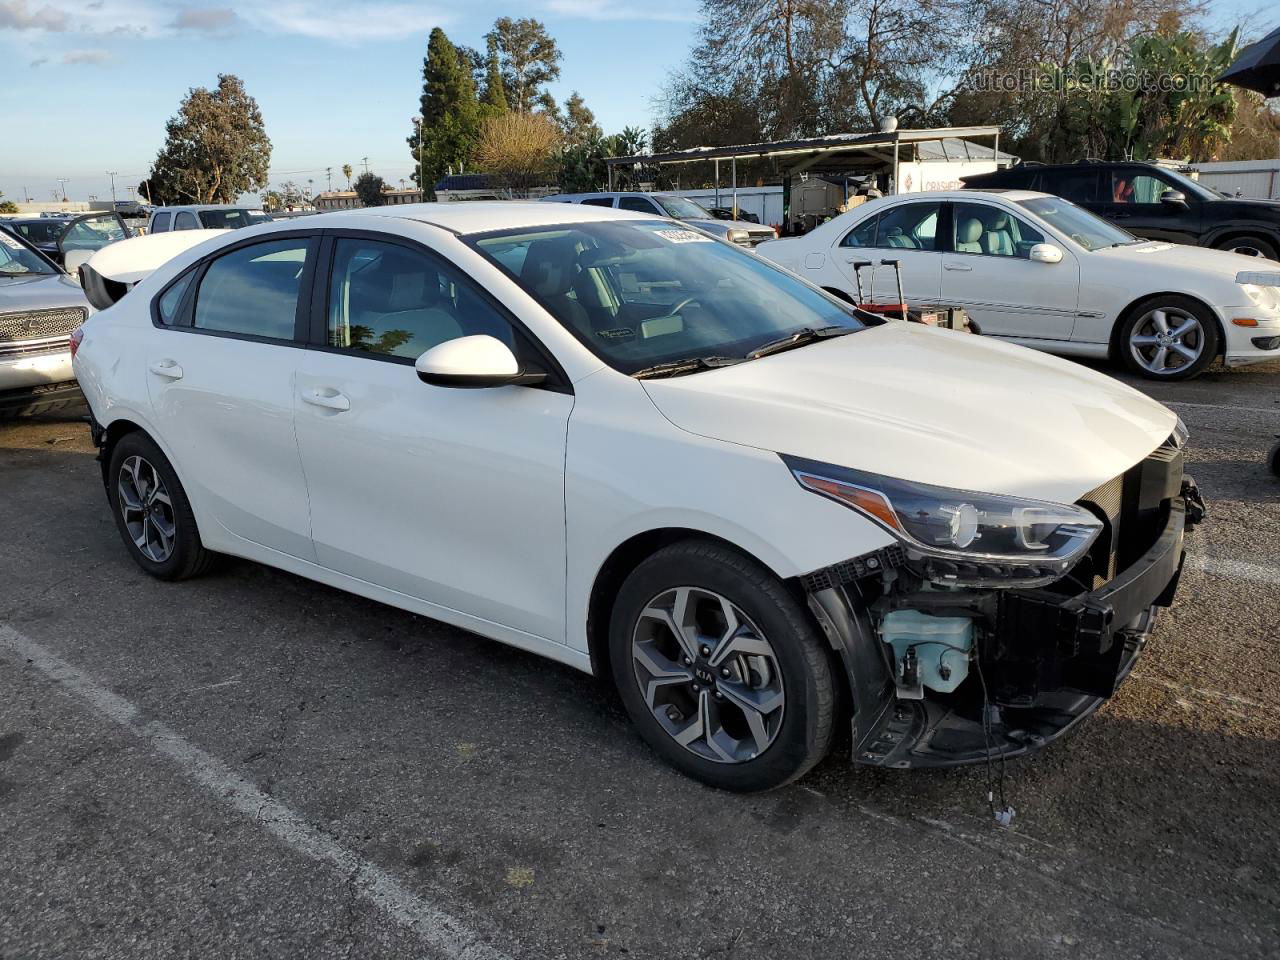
942	647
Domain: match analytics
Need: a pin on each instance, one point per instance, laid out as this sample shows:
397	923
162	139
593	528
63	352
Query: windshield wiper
799	339
675	368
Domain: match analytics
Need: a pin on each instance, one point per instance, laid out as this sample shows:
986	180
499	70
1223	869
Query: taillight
76	336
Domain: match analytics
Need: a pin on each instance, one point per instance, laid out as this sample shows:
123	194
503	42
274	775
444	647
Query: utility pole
63	181
364	162
113	174
328	176
422	187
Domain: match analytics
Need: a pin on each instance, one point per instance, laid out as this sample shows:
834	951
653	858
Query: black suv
1152	202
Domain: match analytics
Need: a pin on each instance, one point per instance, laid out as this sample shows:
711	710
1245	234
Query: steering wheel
681	305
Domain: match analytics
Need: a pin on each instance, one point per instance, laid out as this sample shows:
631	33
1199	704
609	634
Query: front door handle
961	267
330	400
168	369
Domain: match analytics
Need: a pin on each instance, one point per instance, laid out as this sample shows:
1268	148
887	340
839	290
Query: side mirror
476	361
1045	253
73	260
1174	198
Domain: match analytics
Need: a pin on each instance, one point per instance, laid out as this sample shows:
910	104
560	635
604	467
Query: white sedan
615	442
1039	271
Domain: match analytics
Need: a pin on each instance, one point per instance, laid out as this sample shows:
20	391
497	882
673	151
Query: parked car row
742	232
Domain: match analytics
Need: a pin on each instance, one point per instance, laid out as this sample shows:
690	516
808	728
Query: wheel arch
1224	235
626	557
112	434
1123	316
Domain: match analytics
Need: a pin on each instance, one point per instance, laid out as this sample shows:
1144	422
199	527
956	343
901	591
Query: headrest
971	230
999	222
550	265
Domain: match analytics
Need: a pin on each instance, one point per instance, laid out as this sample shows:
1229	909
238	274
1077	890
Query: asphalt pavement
253	765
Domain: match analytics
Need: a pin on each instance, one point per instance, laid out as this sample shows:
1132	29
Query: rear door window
638	205
186	220
160	223
254	290
1078	186
598	201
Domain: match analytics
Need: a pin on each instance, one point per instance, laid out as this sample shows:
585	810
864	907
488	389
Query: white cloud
93	58
213	20
17	15
612	10
347	23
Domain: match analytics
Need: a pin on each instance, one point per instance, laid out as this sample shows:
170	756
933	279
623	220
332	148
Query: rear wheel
721	669
1251	247
152	512
1168	337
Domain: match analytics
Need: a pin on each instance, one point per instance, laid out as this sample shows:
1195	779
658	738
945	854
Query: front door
1131	200
220	377
987	271
907	233
452	496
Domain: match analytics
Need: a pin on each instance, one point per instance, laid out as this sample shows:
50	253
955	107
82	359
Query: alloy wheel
147	508
708	675
1166	340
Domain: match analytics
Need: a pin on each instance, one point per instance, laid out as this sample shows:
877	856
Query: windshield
1089	231
641	293
683	209
16	259
231	219
40	231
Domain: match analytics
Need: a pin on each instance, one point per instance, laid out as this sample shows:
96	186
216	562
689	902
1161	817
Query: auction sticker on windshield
9	242
683	236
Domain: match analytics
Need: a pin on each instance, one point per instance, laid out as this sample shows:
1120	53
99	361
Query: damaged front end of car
994	625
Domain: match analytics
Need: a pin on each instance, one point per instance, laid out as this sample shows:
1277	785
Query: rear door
906	232
986	270
220	375
1131	200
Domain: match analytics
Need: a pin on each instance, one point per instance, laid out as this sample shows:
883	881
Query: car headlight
959	536
1264	298
1180	435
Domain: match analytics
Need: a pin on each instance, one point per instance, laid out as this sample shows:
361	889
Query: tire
1139	344
1251	246
1273	459
136	462
774	659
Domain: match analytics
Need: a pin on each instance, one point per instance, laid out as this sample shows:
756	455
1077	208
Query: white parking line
437	928
1237	570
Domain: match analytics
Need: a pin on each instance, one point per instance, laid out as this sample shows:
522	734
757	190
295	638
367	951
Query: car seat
400	306
549	270
969	236
998	238
894	237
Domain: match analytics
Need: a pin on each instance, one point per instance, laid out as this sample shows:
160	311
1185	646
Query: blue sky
97	79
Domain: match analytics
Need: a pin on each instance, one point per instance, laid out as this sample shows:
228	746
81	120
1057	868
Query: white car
616	442
1039	271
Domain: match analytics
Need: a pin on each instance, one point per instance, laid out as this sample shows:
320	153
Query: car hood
727	225
40	292
933	406
1184	257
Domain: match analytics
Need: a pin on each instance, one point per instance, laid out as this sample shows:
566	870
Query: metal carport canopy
816	149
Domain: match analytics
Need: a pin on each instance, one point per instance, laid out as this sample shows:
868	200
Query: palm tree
346	172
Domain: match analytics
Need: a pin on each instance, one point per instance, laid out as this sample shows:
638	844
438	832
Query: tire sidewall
186	537
1208	323
1264	246
806	675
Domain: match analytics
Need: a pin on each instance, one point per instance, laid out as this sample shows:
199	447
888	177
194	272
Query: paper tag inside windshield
9	242
683	236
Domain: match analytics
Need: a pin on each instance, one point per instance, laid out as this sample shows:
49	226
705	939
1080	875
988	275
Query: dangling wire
1003	816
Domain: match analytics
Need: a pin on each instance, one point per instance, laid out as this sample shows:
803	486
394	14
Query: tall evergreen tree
529	59
495	91
449	110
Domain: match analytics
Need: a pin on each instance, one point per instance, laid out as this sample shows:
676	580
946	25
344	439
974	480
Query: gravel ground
254	765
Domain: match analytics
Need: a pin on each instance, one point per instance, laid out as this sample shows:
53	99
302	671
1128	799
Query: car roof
973	193
203	206
478	216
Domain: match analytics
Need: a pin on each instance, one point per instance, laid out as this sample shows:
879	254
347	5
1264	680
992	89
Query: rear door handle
329	400
168	369
961	267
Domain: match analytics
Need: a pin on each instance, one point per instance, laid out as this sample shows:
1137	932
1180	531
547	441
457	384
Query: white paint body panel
1070	307
495	509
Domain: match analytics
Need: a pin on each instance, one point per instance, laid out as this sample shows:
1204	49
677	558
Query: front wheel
1251	247
1168	337
721	669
